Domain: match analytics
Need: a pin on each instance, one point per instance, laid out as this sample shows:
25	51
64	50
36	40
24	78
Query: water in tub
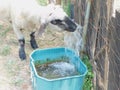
58	69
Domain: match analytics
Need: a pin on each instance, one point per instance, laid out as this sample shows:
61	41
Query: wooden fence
102	39
102	45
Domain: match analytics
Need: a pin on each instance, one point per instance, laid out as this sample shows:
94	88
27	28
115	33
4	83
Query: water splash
63	68
74	40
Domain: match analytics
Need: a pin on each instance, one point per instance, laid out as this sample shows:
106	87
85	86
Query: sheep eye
57	21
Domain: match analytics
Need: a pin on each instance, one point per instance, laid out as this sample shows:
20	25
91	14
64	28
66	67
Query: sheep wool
29	15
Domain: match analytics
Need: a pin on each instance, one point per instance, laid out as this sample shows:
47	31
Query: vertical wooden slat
106	75
86	24
58	2
114	53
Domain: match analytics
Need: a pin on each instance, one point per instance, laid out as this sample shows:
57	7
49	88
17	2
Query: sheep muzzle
65	24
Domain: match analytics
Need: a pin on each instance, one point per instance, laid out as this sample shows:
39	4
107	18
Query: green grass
2	34
42	2
4	30
88	83
5	51
1	27
66	7
13	68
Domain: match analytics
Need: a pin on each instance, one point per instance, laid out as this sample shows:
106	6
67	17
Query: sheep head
59	18
56	16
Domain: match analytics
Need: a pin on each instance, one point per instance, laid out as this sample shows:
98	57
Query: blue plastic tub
65	83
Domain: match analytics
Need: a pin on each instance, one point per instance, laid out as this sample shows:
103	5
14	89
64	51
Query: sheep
28	14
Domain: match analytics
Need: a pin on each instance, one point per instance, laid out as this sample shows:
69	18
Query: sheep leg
33	41
36	34
41	30
21	40
22	54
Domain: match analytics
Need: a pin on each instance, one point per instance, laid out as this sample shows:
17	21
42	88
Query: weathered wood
58	2
85	27
114	53
107	60
103	41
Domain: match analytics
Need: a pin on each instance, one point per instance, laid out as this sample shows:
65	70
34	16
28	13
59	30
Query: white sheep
29	15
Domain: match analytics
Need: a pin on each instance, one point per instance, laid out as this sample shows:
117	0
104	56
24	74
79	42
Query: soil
14	73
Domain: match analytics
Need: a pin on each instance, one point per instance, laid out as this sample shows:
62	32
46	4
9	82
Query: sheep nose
74	27
71	24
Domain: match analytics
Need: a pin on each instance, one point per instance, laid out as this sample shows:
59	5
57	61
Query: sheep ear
52	1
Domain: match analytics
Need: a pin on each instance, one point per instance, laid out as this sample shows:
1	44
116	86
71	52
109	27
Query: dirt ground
14	73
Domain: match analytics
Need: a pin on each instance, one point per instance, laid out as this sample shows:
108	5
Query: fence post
86	24
106	76
58	2
55	1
